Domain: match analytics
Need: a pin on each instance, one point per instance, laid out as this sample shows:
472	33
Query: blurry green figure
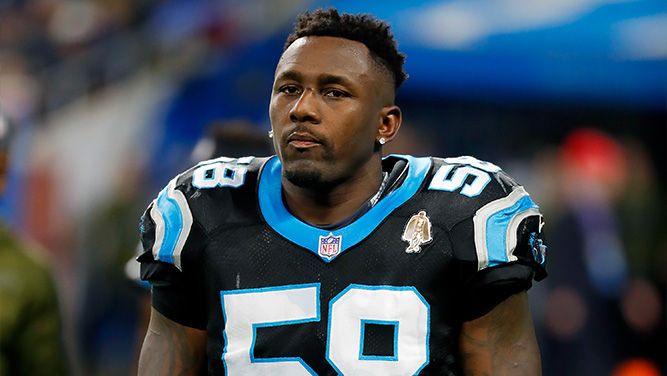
30	325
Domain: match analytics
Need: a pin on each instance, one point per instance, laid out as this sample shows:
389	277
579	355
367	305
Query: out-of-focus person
30	324
233	139
602	313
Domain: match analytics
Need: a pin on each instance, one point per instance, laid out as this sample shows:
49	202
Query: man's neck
323	207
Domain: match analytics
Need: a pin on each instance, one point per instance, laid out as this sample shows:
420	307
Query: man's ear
390	122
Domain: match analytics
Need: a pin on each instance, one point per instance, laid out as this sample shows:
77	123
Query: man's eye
335	93
289	89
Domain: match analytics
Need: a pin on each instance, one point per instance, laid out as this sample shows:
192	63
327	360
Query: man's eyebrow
323	79
328	79
290	75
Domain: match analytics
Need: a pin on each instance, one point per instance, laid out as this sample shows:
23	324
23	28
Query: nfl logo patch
329	245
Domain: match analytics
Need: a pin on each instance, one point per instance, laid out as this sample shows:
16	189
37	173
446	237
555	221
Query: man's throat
335	211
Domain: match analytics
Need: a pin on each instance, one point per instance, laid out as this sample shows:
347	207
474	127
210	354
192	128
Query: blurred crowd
109	99
54	52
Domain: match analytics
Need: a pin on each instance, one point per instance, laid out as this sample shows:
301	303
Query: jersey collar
310	237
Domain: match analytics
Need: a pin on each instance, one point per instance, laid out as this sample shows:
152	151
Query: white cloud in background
461	24
643	38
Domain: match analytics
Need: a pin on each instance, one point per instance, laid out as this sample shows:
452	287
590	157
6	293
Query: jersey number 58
356	306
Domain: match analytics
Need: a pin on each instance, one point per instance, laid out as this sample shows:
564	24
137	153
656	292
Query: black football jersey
384	294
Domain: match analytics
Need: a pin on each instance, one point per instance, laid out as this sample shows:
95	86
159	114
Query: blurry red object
636	367
595	155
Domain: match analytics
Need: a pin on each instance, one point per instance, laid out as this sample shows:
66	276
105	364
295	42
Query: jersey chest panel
385	294
255	257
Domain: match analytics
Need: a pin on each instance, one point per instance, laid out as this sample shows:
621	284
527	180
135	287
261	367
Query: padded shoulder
182	210
222	172
464	185
489	216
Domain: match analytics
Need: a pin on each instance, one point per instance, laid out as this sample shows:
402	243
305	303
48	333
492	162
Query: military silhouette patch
417	232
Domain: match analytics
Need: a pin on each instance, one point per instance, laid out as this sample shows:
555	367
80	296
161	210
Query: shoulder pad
484	204
171	214
465	184
219	173
171	219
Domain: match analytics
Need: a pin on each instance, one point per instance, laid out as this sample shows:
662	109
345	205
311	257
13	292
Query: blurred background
109	99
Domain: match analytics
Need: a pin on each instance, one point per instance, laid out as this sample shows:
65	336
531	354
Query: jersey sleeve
504	250
171	239
496	235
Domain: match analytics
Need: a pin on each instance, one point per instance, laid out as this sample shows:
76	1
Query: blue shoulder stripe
173	221
496	224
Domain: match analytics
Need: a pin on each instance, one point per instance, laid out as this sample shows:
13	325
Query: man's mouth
300	140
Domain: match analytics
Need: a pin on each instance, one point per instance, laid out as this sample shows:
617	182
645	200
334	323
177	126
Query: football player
329	259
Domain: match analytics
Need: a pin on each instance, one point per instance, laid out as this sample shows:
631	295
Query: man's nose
305	109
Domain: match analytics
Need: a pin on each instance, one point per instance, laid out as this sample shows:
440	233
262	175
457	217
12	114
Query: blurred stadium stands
570	97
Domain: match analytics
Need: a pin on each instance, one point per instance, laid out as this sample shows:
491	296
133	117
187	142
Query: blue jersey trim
496	229
307	236
173	225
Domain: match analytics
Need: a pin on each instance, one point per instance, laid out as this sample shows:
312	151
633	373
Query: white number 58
349	311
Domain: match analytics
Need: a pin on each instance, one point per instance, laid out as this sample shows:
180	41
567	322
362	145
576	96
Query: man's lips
303	140
303	144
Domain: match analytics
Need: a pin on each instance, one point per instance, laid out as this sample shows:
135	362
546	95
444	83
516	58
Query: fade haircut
374	34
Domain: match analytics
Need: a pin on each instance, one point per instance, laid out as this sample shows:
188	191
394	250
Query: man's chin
304	178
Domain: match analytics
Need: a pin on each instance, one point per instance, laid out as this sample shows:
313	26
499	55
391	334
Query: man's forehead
326	53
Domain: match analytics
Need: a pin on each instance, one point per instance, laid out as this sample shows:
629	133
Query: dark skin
330	104
172	349
502	342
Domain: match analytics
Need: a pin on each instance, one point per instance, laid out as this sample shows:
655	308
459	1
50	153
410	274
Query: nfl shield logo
329	245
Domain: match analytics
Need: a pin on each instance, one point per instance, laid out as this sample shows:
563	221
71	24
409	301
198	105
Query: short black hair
364	28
